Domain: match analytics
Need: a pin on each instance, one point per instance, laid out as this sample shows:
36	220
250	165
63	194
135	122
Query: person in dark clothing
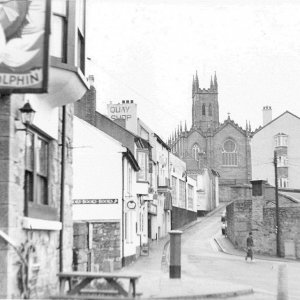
250	245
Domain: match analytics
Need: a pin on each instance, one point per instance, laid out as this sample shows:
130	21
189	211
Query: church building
221	148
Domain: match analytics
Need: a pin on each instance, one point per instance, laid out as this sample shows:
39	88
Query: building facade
36	167
107	196
221	147
184	194
132	189
280	135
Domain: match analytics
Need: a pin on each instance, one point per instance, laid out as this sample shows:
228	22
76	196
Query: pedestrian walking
250	245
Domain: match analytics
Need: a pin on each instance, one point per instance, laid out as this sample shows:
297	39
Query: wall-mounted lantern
27	114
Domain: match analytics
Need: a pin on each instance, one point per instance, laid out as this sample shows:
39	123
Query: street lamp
27	114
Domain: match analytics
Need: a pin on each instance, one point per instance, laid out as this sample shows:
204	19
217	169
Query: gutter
122	217
62	189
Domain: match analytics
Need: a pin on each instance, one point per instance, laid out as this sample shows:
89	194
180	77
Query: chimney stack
267	115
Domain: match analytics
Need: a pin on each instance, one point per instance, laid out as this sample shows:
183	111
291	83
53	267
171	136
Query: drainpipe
62	188
123	196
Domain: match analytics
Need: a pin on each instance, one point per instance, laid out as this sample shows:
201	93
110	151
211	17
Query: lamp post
278	250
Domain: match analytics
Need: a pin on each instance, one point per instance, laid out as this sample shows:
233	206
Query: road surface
202	258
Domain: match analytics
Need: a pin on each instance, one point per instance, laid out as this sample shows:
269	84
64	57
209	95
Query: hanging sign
24	46
131	204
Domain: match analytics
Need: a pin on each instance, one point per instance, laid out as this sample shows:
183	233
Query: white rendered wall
97	167
262	149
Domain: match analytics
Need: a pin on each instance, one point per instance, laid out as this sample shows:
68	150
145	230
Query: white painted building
283	136
207	190
106	191
184	193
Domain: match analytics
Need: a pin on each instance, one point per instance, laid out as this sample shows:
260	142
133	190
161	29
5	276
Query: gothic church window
229	153
195	152
210	110
203	109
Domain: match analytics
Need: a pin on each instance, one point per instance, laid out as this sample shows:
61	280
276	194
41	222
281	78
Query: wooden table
84	278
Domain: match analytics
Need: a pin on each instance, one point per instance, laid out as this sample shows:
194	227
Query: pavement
156	284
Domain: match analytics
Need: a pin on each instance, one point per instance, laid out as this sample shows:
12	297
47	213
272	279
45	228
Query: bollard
175	254
282	284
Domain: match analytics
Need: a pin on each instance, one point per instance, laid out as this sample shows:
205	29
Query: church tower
205	108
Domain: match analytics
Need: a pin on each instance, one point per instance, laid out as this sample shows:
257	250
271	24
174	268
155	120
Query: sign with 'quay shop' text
24	46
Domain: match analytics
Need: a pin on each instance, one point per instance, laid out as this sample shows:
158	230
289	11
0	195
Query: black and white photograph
149	149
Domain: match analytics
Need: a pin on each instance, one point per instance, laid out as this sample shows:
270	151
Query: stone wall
181	217
46	242
258	214
81	250
107	243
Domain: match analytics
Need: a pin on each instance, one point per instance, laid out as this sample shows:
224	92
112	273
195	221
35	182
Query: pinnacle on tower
215	81
211	83
185	127
180	126
193	88
247	125
196	82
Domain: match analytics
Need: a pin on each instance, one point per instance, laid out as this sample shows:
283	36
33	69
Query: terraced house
36	161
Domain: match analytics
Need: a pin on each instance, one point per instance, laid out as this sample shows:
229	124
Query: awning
168	201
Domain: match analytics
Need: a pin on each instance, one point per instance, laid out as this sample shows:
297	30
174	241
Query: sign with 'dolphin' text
24	45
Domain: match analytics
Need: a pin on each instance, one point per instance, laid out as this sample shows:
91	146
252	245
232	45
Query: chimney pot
91	79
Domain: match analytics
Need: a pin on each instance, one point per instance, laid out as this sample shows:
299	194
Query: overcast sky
149	51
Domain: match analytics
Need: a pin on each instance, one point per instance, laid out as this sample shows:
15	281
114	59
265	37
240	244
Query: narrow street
201	258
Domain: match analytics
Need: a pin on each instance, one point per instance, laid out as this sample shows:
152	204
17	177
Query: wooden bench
79	290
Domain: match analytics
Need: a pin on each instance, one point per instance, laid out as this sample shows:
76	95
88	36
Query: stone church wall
239	172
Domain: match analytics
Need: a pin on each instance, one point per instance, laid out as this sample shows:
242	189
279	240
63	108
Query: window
174	190
203	109
210	110
281	140
229	153
181	193
80	52
282	161
129	180
36	169
190	196
80	12
195	152
59	25
142	158
283	182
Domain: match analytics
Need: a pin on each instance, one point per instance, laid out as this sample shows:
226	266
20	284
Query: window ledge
39	224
